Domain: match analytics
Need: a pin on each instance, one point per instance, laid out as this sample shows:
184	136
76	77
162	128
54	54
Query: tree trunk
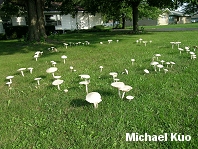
40	17
123	21
36	23
135	15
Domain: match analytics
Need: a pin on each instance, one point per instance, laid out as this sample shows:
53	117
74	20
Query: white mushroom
162	61
85	76
113	74
180	50
146	71
57	77
66	90
94	97
191	55
129	97
36	57
132	60
118	85
21	70
172	63
145	42
64	57
178	43
71	68
140	40
110	41
65	44
9	84
167	63
10	78
101	67
54	64
57	82
154	64
125	88
37	79
30	69
157	55
172	43
165	71
160	66
86	85
52	70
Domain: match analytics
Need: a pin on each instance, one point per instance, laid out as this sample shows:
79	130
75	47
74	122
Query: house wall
81	21
184	20
163	19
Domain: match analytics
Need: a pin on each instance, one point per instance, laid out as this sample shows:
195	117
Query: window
53	20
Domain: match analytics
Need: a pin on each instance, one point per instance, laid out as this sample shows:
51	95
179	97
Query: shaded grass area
43	117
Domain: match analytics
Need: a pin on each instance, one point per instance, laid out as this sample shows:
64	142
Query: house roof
194	16
177	13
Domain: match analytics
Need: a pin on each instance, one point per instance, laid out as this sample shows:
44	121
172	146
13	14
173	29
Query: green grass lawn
42	116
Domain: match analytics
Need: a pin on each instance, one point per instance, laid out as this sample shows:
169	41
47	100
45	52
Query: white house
66	22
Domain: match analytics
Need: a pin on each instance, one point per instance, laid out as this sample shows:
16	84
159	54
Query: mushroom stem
64	61
119	93
101	69
95	105
86	87
123	95
22	73
38	82
58	87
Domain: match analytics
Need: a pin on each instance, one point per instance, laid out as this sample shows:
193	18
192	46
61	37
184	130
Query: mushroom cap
133	60
30	68
8	83
146	71
154	63
101	67
93	97
144	41
51	69
36	56
125	88
160	66
129	97
84	82
84	76
37	79
63	56
118	84
167	63
192	53
172	42
165	70
178	42
9	77
180	49
173	63
57	77
157	55
71	67
21	69
57	82
113	73
162	61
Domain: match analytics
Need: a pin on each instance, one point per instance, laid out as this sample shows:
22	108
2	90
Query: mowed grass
42	116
